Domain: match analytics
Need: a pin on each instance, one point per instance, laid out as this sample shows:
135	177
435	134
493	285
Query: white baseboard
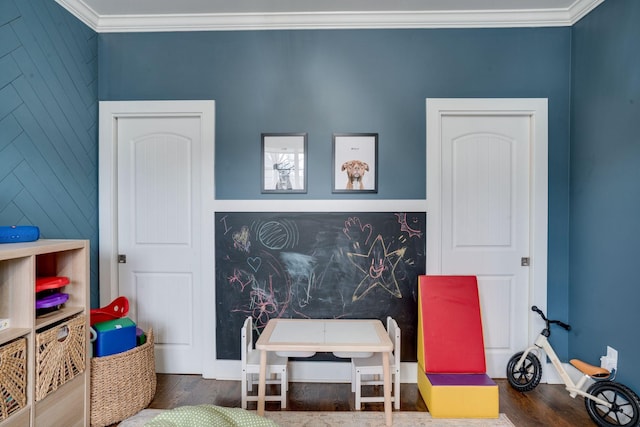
312	371
339	372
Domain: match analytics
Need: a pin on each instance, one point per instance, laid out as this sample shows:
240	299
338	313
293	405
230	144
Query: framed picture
355	162
284	162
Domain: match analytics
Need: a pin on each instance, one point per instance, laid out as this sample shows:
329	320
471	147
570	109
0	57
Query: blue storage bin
114	336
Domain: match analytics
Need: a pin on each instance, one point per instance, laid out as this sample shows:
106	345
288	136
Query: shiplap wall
48	123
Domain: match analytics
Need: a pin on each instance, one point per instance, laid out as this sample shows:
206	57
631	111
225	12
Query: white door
483	221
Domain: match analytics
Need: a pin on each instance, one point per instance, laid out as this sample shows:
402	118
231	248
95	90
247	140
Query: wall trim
321	205
313	371
506	18
339	372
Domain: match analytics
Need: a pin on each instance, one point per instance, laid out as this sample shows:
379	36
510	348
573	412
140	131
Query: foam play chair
452	375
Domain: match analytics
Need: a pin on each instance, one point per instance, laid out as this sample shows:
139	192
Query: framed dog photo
355	162
284	162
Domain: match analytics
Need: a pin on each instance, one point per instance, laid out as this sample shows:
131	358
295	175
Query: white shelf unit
20	264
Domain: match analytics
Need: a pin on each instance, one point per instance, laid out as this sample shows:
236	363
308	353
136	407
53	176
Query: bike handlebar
557	322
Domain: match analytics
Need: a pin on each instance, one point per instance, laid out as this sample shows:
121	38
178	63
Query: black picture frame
284	162
355	163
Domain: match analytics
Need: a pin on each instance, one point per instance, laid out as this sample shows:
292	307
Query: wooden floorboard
547	405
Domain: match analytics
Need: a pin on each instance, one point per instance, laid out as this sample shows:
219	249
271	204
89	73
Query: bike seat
591	370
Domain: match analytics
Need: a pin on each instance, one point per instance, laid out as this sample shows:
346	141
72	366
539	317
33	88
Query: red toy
46	283
118	308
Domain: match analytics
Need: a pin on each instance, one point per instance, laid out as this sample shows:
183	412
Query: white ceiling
208	15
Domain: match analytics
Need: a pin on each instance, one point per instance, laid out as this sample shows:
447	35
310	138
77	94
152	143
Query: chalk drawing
224	221
277	235
357	231
241	239
300	268
240	277
378	268
263	304
316	265
404	226
254	262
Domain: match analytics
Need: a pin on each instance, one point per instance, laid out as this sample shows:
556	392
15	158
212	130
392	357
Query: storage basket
122	384
13	377
61	354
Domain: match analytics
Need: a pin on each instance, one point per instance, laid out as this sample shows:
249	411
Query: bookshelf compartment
13	377
61	355
34	388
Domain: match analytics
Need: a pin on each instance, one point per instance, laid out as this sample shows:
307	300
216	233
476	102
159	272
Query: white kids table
325	335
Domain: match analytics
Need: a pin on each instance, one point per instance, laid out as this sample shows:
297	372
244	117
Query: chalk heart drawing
254	263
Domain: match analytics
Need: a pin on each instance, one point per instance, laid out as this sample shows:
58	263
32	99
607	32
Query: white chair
276	369
369	370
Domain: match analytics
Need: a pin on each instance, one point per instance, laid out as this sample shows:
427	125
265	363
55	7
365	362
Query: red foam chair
451	360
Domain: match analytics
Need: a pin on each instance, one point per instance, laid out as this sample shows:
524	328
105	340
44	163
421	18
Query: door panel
481	189
479	182
158	231
485	221
161	189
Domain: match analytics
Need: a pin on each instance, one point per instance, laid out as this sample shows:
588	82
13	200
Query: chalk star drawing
378	267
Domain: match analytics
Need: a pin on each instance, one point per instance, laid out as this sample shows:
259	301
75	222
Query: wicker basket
61	355
122	384
13	377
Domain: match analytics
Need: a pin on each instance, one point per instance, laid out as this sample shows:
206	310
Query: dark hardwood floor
547	405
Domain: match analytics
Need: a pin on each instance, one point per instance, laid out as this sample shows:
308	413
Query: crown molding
330	20
581	8
80	10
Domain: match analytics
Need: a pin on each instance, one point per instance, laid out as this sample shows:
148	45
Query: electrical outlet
610	361
612	355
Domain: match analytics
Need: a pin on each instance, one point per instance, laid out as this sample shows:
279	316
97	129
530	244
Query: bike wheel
528	376
625	409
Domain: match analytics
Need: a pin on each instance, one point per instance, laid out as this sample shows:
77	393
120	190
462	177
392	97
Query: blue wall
347	81
605	186
336	81
273	81
48	123
328	81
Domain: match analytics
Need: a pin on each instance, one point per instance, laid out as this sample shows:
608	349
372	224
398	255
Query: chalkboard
317	265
